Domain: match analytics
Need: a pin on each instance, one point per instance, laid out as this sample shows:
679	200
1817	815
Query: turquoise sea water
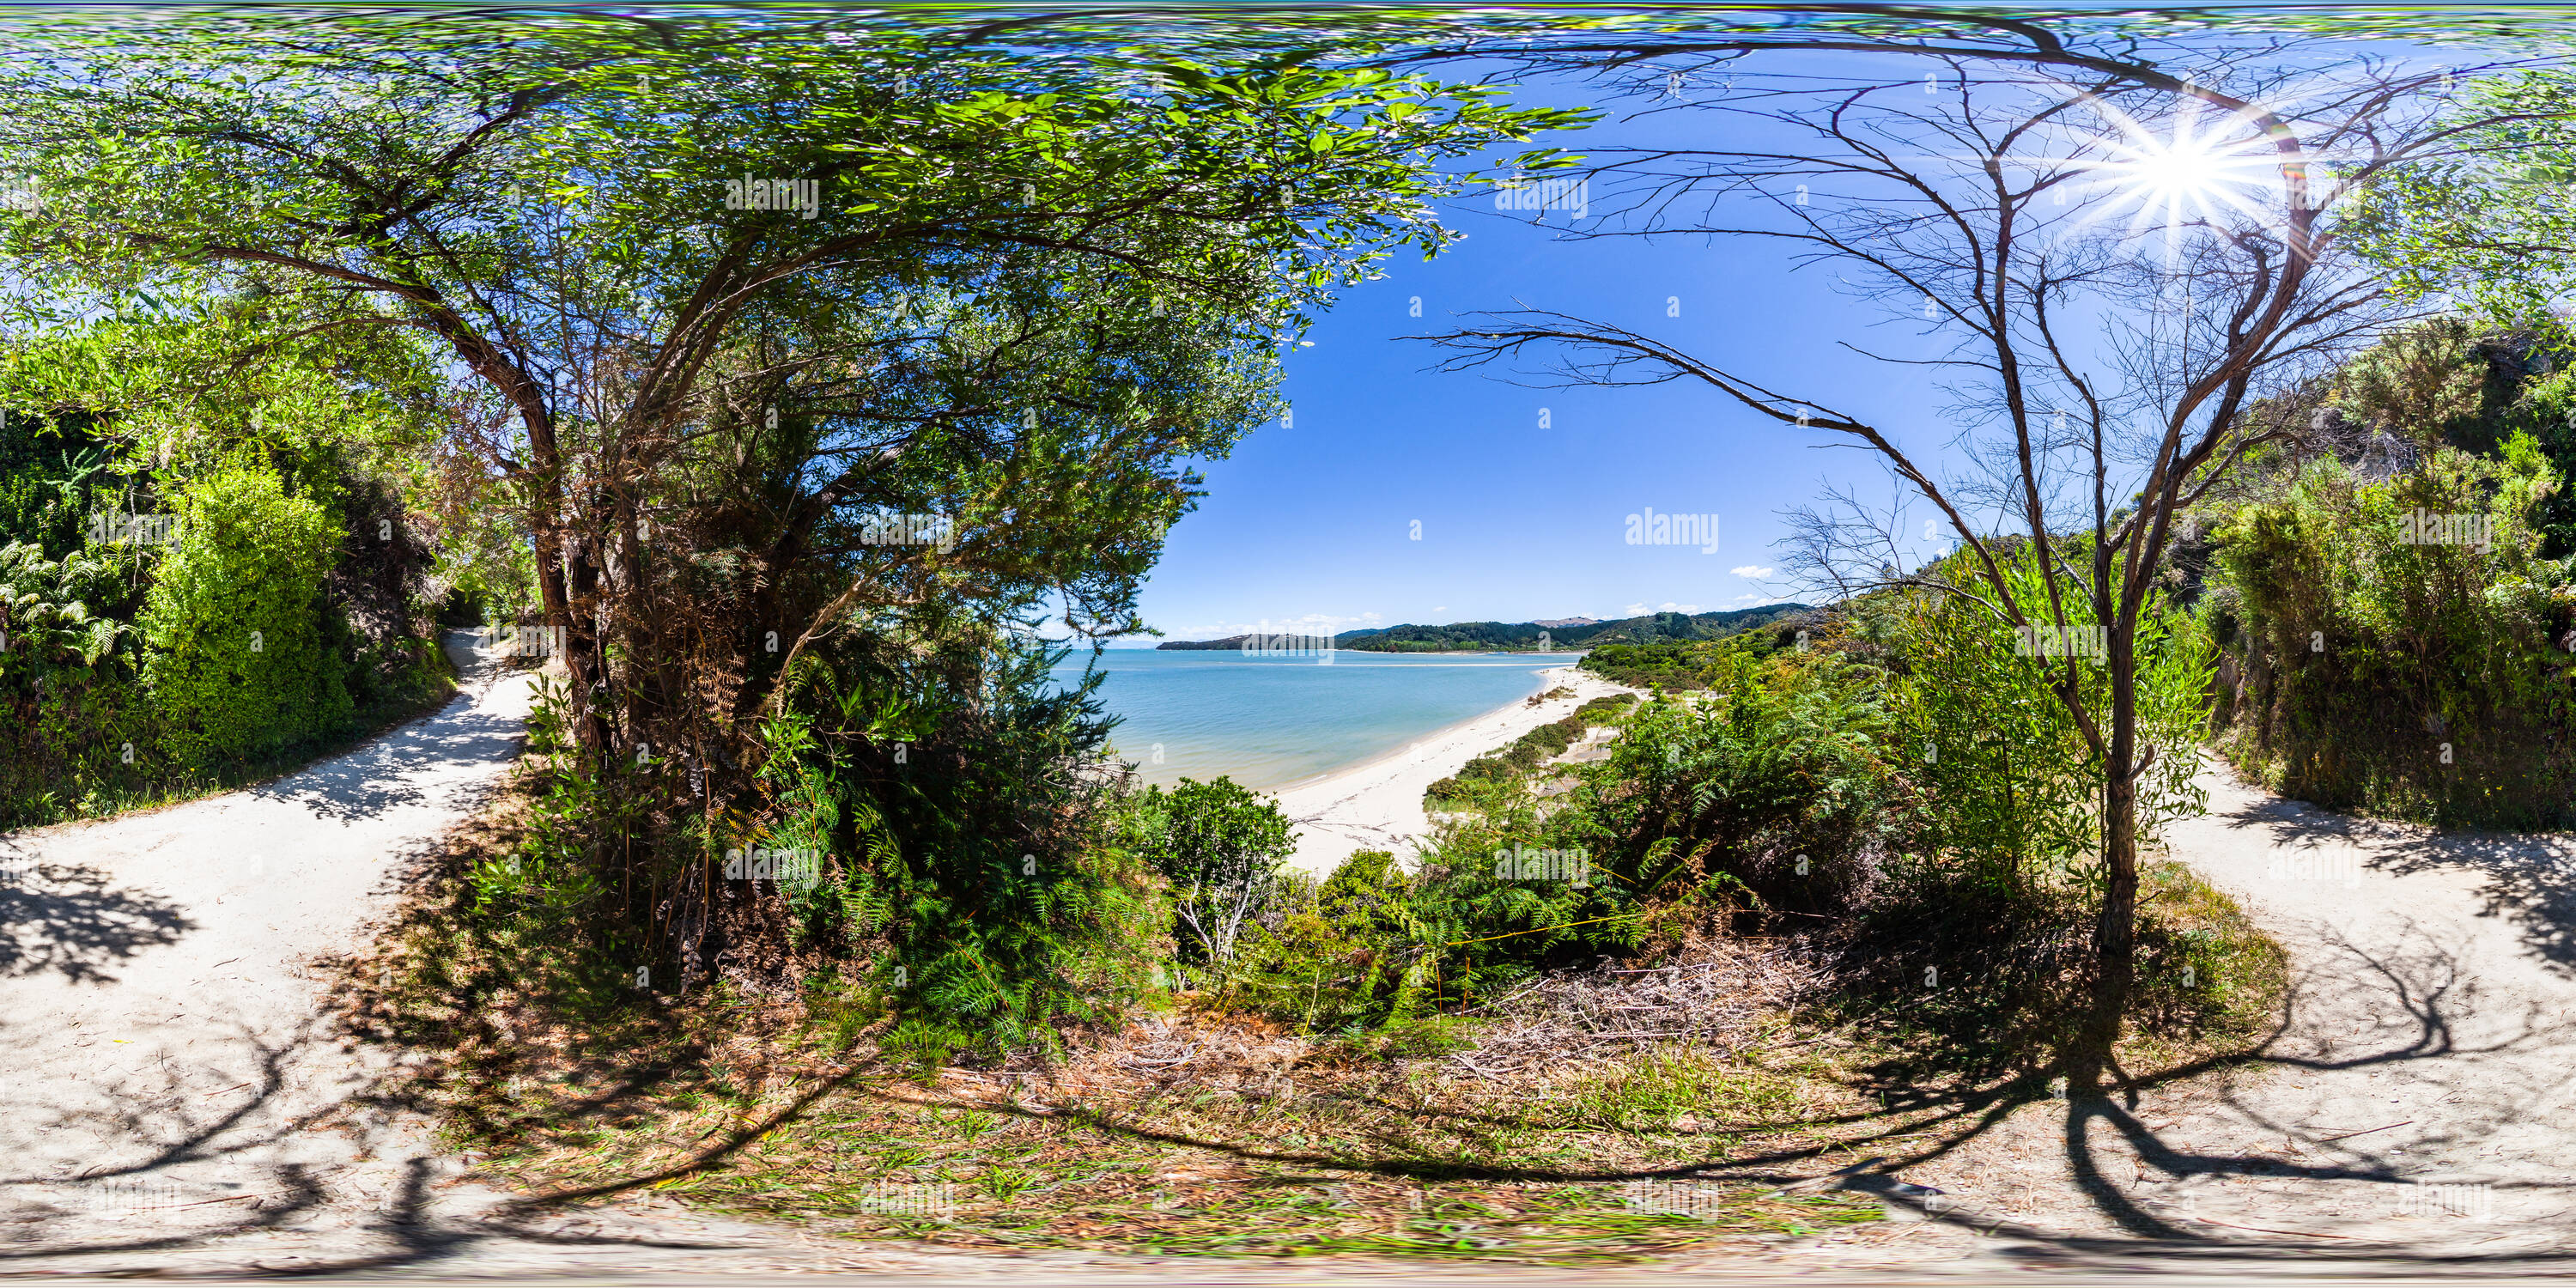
1270	722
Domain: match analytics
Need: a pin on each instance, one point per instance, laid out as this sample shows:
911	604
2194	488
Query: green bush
1523	756
1601	710
1341	955
2007	786
545	883
973	861
238	659
2414	680
1552	739
1485	931
76	739
1776	783
1219	846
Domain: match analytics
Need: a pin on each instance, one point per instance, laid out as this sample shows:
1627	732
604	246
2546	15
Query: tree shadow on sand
2528	878
71	920
201	1175
2495	1074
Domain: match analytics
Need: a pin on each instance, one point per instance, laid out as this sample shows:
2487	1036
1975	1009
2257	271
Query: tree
1220	846
2483	224
551	207
2118	250
729	304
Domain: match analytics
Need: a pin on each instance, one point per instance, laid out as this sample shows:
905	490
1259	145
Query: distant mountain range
1522	637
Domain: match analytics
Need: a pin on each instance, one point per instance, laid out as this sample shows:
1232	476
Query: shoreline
1377	804
1413	747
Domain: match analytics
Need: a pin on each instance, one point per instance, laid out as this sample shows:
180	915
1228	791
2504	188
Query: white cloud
1441	609
1741	601
1634	610
1750	570
1669	607
1310	624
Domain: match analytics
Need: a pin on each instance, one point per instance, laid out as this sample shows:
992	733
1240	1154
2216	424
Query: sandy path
159	1014
2421	1095
1378	805
172	1099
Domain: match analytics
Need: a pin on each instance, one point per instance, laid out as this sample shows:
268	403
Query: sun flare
2205	166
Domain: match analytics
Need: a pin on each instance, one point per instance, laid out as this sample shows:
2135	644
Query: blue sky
1311	526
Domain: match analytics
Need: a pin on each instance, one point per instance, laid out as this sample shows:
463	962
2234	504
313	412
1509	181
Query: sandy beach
1378	805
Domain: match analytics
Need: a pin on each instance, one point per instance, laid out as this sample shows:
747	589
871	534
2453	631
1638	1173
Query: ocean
1270	722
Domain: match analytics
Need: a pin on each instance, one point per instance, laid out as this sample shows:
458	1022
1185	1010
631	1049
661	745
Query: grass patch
1194	1131
1994	990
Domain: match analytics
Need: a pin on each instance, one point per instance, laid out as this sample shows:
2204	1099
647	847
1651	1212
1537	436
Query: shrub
1503	764
2007	786
67	687
237	658
1601	710
1015	909
1220	847
971	880
1342	954
2361	658
1780	763
1551	739
1484	932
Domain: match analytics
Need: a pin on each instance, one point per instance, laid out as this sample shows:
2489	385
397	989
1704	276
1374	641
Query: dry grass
1728	996
1241	1140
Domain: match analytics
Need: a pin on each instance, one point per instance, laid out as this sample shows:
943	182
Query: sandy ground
2420	1093
1378	805
173	1099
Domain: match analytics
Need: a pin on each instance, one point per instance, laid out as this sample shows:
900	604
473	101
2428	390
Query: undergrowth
1198	1128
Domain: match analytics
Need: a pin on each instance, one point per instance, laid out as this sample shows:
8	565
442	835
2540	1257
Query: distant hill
1230	641
1563	633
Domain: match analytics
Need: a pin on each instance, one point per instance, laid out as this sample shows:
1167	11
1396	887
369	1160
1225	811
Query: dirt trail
172	1098
2421	1095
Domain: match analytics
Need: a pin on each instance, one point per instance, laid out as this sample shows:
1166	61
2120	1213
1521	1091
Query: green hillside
1653	628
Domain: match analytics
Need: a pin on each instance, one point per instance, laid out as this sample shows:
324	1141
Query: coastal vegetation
1525	636
1524	754
196	590
2397	609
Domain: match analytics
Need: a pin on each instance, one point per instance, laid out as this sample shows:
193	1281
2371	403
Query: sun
2183	172
2206	165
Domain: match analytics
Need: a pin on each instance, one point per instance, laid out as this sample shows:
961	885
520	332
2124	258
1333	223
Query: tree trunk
2115	932
591	698
2114	939
554	598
